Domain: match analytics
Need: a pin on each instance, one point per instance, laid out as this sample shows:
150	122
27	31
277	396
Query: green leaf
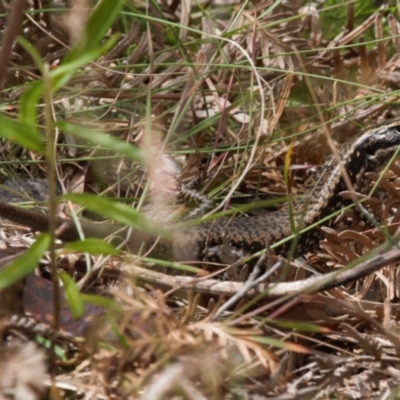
96	27
92	246
25	263
72	295
64	72
103	139
21	134
101	301
31	50
29	104
118	212
100	21
300	326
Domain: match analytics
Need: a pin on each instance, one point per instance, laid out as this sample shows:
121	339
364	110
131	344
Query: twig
377	259
251	283
13	24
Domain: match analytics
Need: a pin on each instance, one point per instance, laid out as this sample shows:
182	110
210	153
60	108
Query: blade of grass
100	20
25	263
24	135
92	246
72	295
118	212
103	139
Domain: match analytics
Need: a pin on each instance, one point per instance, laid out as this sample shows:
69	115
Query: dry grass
215	94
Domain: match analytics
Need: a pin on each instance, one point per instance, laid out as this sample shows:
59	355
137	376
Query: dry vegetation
215	94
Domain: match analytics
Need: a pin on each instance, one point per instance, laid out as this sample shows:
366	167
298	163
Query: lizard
247	235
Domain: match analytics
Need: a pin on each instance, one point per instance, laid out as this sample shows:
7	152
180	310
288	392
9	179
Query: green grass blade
72	295
25	263
63	73
31	50
103	139
22	134
96	27
28	106
101	301
118	212
92	246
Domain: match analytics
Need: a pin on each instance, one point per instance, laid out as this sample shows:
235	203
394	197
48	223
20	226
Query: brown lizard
247	235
